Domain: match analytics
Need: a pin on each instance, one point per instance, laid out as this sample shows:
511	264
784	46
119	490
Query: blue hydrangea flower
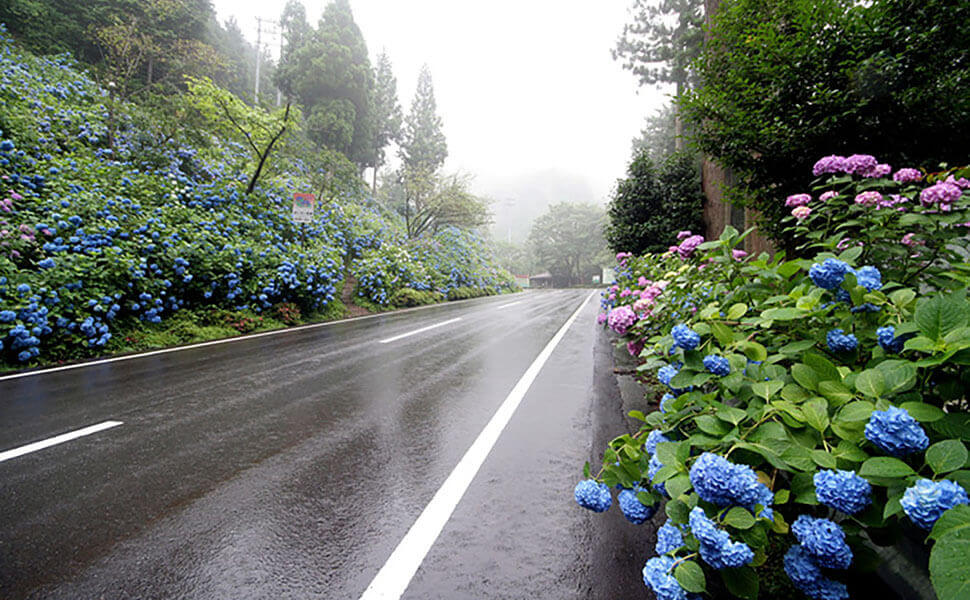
838	341
829	274
842	490
665	374
721	482
652	468
886	336
655	437
669	538
716	547
717	365
658	576
926	501
808	578
47	263
824	540
685	337
895	432
593	495
869	278
635	511
663	401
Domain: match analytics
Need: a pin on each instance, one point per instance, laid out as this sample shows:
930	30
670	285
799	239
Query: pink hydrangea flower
801	212
601	318
634	347
621	319
829	164
880	170
907	175
625	293
797	200
16	196
962	183
687	247
942	194
860	164
683	235
739	255
643	281
870	198
828	195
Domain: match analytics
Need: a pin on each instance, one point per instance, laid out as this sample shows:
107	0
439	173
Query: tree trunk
151	70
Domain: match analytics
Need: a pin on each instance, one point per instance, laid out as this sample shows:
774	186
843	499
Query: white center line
58	439
417	331
509	304
396	574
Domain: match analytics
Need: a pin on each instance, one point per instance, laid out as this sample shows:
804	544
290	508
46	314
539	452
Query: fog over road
292	465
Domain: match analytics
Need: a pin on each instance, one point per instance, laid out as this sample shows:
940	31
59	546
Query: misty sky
523	86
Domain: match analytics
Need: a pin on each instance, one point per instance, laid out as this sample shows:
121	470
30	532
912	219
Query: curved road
291	465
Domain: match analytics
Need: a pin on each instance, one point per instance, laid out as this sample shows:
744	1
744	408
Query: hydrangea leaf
948	564
871	383
742	582
923	412
946	456
957	517
739	517
885	467
816	413
805	376
737	311
940	315
690	576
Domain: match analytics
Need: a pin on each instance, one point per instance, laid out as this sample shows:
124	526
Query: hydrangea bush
816	403
104	236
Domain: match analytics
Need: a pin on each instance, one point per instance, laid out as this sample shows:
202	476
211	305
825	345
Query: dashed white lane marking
509	304
58	439
224	341
396	574
417	331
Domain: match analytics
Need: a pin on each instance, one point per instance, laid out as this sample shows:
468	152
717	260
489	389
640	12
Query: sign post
303	208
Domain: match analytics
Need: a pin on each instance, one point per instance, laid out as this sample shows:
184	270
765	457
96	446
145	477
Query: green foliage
784	83
407	297
654	48
387	111
423	144
568	241
649	204
792	404
330	73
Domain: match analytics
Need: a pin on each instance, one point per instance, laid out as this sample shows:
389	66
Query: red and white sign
303	206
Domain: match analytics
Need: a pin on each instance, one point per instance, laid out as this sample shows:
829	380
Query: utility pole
279	92
259	41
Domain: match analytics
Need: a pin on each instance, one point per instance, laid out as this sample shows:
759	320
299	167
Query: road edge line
394	577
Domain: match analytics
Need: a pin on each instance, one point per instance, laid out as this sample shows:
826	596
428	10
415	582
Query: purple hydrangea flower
842	490
807	577
870	198
829	164
860	164
687	247
942	194
824	540
907	175
825	197
880	170
926	501
593	495
621	319
797	200
895	432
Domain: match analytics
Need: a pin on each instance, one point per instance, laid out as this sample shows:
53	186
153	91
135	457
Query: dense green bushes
818	402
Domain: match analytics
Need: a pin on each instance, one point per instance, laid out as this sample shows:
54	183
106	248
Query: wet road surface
291	465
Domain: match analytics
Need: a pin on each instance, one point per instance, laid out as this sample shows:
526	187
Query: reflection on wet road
292	465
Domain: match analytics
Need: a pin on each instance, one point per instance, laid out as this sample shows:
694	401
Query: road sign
303	205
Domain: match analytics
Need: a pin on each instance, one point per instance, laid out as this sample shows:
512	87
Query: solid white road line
417	331
223	341
58	439
396	574
509	304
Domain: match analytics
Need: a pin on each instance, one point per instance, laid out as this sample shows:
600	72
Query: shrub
408	297
818	401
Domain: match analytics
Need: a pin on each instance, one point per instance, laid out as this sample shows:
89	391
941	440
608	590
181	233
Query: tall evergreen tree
387	111
331	76
296	33
423	147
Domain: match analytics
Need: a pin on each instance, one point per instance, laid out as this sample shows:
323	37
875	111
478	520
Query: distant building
542	280
523	281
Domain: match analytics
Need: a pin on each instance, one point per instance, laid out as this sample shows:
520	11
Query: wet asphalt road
291	465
